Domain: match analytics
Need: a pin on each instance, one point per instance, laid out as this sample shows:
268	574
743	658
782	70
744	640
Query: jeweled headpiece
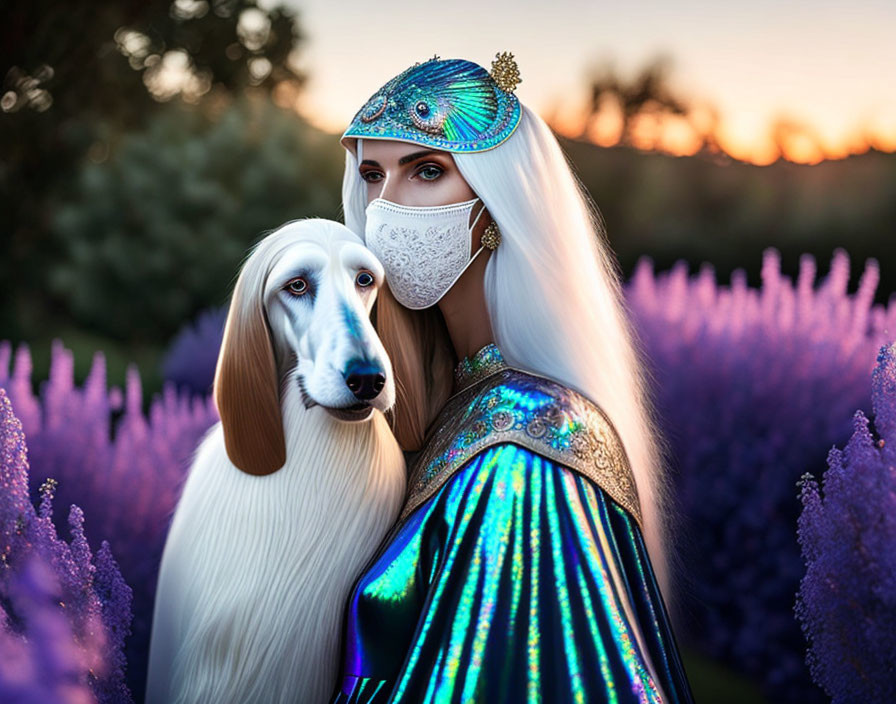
452	105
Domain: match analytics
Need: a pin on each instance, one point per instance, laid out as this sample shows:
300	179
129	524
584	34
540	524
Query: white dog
291	493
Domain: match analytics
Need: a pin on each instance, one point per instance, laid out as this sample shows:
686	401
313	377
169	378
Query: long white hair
554	297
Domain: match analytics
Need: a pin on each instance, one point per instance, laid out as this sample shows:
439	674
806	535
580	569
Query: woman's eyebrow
370	162
415	156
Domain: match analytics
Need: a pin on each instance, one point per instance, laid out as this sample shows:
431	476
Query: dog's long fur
259	560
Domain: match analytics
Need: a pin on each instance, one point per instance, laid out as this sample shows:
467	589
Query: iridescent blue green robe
517	571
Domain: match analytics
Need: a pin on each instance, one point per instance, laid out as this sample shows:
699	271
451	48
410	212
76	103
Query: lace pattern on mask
420	264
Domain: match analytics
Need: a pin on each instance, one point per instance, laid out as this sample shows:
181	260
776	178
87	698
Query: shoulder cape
534	412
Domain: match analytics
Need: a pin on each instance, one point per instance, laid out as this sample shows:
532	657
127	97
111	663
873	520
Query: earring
491	238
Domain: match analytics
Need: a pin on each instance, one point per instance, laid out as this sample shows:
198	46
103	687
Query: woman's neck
465	311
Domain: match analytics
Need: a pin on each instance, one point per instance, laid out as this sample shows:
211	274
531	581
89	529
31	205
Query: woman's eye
372	176
430	172
364	279
298	286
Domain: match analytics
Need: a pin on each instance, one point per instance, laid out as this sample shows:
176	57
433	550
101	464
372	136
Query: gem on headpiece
491	238
505	71
374	108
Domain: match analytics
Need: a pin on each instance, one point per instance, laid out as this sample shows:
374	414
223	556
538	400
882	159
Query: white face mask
423	250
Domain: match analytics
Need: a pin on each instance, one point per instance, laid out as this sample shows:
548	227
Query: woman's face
410	174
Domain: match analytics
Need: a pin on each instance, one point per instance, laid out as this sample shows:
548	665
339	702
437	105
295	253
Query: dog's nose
365	382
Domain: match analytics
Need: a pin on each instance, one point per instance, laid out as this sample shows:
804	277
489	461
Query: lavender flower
847	599
116	597
55	643
126	474
752	387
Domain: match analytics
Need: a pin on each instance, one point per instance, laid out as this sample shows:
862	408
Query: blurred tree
75	75
648	93
796	141
157	231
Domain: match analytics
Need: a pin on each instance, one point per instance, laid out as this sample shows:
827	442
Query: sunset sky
827	65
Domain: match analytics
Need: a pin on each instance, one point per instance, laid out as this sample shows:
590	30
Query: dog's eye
297	286
364	279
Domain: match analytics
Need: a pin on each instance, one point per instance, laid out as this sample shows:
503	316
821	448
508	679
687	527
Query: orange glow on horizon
883	143
673	135
605	131
685	136
680	138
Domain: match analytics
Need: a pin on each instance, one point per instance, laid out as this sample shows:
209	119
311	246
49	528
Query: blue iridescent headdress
452	105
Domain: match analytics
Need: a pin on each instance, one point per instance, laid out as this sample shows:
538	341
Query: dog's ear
245	389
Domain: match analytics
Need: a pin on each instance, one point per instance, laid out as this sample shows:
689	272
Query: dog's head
300	314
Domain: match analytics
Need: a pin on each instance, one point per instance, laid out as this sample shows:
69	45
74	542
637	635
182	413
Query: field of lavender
787	572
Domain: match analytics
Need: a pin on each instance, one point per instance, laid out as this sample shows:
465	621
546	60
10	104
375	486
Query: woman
518	569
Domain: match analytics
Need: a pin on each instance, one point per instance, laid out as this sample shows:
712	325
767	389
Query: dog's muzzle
357	411
365	380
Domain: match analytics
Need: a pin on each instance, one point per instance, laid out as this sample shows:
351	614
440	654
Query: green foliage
70	70
157	231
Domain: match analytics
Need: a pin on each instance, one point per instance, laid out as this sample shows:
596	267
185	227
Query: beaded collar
484	363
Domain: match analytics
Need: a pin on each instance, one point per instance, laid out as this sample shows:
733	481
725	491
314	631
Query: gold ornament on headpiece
435	57
505	71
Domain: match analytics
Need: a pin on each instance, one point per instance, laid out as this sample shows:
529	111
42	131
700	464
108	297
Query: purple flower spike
846	603
116	597
13	468
883	391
